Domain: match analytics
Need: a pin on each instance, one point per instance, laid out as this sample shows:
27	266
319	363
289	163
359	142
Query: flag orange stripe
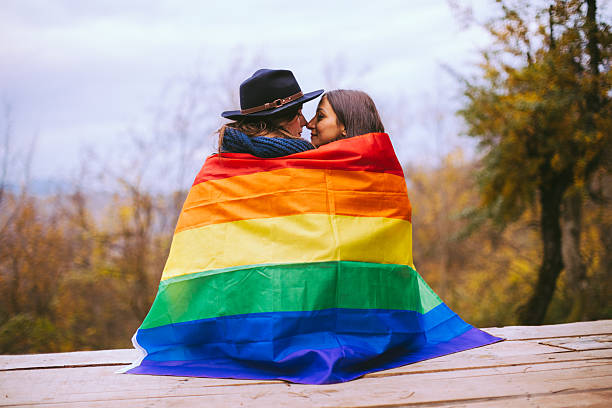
291	191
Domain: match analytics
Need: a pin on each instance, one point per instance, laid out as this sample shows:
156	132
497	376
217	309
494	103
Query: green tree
542	113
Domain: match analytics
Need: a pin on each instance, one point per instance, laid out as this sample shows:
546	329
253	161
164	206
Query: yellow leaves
508	189
91	278
484	275
126	212
555	162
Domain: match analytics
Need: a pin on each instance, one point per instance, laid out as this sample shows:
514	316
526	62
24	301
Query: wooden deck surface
568	365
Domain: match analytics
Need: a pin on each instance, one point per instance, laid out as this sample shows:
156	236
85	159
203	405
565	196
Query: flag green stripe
290	288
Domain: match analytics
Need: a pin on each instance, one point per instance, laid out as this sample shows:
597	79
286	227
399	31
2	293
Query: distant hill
42	187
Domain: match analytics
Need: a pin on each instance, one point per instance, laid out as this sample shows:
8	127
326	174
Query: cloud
77	69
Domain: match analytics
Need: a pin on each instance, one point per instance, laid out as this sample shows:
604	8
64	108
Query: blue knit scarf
234	141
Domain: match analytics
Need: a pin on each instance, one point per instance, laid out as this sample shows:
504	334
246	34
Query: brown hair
356	111
263	125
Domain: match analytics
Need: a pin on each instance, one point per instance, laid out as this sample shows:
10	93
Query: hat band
274	104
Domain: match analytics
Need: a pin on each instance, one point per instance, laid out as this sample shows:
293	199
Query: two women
270	121
297	267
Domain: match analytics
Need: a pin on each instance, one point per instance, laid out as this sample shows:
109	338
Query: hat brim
236	114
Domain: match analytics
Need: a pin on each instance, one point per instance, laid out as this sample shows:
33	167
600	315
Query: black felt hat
269	91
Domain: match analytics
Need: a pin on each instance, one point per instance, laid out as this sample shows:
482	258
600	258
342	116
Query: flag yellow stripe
290	239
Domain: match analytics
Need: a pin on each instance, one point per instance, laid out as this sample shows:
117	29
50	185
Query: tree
477	274
543	117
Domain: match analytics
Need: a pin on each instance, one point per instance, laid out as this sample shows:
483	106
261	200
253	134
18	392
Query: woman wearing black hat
270	121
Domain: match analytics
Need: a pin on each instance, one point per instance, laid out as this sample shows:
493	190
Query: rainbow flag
297	268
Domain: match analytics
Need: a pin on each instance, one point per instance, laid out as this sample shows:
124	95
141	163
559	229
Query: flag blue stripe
323	346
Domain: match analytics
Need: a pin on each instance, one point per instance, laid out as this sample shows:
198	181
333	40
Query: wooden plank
597	327
417	390
126	356
475	361
424	367
73	359
489	355
51	383
554	365
592	399
581	343
495	355
597	399
119	384
91	384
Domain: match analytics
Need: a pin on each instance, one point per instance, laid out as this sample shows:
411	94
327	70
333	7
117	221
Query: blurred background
499	112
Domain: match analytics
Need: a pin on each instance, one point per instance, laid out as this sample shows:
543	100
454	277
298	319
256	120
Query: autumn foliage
541	110
528	222
72	278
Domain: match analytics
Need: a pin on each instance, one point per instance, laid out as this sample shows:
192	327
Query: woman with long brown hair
342	114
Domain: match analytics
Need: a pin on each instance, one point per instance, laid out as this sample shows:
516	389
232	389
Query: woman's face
324	127
295	125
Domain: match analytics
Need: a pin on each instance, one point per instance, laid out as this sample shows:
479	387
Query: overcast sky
79	73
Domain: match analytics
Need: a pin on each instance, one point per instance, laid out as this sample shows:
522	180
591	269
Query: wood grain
550	366
577	329
78	358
